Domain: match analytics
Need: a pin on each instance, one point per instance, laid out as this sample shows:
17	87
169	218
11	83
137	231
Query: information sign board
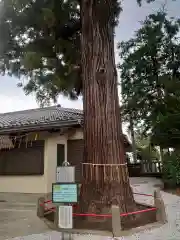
64	193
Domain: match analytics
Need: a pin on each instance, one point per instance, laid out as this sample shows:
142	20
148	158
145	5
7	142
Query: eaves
39	126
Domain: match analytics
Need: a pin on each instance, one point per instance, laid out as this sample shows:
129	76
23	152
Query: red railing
110	215
143	194
53	209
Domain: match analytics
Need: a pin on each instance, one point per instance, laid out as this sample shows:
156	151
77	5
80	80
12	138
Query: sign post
65	192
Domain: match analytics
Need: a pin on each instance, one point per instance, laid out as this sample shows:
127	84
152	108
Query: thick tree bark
106	178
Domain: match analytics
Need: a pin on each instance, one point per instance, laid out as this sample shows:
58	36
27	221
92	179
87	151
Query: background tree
166	131
133	140
145	149
150	75
36	46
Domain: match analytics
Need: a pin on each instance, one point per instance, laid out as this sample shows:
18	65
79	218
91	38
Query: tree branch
67	31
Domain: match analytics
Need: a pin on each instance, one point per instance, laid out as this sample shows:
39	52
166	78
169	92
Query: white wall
22	184
40	184
51	158
51	154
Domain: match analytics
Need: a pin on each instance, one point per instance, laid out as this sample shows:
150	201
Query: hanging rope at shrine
10	142
105	164
110	172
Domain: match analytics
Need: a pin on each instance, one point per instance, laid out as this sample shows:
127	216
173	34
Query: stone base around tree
117	223
113	221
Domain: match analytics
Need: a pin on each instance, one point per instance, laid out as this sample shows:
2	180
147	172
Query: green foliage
148	1
145	150
166	131
150	75
40	40
171	169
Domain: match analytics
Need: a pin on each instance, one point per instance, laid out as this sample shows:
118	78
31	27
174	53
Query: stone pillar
40	207
159	204
116	221
56	217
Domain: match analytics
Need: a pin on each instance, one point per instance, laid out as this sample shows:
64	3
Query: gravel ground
169	231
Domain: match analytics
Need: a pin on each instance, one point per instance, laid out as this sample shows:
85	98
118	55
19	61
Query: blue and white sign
64	193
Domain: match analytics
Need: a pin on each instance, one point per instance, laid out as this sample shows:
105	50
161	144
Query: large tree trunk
107	181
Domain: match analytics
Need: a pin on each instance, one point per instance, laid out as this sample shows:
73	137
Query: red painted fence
53	209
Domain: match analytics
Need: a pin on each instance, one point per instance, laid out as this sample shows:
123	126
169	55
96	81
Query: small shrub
171	169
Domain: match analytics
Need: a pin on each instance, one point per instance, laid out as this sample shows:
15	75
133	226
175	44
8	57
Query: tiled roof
39	116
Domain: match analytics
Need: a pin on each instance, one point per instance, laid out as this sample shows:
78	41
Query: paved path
19	220
169	231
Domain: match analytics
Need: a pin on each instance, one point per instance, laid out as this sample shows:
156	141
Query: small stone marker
40	207
56	217
159	204
116	221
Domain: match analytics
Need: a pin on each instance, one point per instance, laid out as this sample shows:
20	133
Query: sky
13	98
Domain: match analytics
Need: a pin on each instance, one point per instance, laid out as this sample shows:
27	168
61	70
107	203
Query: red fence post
160	207
116	221
40	207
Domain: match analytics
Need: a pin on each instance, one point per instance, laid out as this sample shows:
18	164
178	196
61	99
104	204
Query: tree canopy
150	74
40	43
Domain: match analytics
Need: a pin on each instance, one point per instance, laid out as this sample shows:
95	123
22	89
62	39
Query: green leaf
150	78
